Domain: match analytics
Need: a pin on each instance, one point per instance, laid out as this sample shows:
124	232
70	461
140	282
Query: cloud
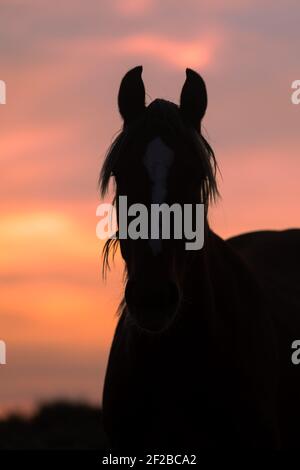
199	52
129	8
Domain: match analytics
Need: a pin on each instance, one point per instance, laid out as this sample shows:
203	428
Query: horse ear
131	97
193	99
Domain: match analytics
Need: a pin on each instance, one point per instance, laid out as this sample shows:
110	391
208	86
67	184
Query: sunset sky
62	63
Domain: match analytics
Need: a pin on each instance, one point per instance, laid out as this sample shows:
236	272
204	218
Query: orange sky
62	67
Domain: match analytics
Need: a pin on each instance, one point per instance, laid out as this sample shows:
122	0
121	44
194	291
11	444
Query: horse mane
161	118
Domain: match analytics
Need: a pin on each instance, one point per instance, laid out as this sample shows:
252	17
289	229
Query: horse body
201	356
213	379
274	258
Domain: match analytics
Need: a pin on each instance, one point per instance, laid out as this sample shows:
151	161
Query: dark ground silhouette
59	425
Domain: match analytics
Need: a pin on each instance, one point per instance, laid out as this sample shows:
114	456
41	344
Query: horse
201	355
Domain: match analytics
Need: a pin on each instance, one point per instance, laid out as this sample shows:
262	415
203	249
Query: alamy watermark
296	354
2	92
2	353
178	221
295	97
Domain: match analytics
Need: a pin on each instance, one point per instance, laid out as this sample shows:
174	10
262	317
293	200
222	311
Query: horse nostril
164	294
153	305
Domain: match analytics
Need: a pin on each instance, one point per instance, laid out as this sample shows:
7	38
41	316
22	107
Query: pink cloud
180	54
199	52
132	7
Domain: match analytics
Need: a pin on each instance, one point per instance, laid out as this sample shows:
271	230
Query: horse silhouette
201	356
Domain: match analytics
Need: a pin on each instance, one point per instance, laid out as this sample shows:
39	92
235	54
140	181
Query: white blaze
158	160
